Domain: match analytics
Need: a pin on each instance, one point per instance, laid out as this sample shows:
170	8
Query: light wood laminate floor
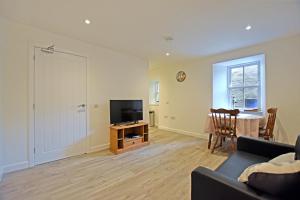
158	171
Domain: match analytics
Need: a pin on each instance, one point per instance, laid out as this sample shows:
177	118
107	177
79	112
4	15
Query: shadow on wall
280	133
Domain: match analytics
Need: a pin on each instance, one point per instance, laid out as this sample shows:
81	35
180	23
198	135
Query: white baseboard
183	132
100	147
25	164
15	166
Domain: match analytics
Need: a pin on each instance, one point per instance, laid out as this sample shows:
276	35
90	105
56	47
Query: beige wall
184	106
108	78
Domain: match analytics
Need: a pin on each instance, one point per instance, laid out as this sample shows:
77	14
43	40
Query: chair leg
232	144
209	140
216	142
221	141
266	137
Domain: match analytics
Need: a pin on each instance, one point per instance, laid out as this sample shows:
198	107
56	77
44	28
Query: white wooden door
60	106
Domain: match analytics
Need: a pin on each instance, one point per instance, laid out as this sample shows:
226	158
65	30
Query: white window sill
261	113
251	112
254	113
154	104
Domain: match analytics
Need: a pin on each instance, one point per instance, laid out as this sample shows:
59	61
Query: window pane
157	97
236	77
156	91
251	75
251	97
237	98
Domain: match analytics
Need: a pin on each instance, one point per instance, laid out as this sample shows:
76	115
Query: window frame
156	92
258	86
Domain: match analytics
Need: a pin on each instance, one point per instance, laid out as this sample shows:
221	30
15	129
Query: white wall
111	75
220	87
1	109
184	106
154	76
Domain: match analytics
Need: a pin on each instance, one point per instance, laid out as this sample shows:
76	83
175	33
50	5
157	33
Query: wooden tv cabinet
119	142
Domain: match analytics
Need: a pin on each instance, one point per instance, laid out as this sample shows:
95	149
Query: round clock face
180	76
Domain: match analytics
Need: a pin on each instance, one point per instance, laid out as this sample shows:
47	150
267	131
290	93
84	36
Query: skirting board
98	148
194	134
15	167
25	164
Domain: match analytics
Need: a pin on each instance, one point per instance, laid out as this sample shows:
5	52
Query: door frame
31	97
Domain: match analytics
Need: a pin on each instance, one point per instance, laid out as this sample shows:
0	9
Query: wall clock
180	77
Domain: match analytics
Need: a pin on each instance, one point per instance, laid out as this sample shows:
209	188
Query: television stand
126	124
127	137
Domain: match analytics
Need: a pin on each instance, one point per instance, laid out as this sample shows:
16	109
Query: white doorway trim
31	84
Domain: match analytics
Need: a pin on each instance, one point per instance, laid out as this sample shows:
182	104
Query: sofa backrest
297	149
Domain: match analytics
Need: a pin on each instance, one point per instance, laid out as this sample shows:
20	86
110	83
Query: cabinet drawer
131	142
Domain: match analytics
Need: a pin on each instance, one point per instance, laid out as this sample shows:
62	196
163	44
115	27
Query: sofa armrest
264	148
211	185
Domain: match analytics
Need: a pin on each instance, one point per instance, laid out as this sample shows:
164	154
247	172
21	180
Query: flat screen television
126	111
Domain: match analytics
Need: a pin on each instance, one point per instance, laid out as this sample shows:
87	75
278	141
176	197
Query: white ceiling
199	27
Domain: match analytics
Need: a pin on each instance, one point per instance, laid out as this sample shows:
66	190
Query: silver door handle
82	105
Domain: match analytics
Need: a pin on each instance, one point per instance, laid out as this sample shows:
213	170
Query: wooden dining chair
267	131
224	122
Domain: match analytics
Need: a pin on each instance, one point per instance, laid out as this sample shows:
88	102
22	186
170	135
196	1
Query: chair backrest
271	122
224	121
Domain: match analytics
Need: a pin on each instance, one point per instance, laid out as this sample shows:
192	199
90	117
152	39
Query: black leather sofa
223	184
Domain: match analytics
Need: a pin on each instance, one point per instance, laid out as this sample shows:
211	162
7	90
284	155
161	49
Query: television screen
122	111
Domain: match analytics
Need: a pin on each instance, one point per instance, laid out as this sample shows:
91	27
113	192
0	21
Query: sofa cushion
238	162
283	185
297	149
285	177
287	157
270	168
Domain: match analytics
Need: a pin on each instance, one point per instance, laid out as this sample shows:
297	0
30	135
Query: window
154	92
244	86
240	84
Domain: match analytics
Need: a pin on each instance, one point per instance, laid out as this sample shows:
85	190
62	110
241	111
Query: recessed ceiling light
168	54
87	21
247	28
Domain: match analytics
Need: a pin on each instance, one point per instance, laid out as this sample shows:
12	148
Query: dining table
246	125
